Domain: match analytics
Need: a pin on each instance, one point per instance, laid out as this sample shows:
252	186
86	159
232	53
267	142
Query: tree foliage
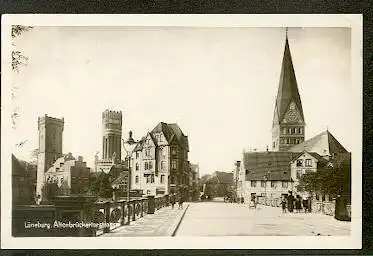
333	179
100	185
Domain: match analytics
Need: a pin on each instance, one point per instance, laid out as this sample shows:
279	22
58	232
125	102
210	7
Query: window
157	137
299	162
297	141
150	178
284	184
137	154
137	179
150	165
274	144
174	151
308	162
263	184
289	130
253	183
174	164
147	152
137	166
283	130
247	172
163	165
146	166
162	179
273	184
299	174
160	137
163	153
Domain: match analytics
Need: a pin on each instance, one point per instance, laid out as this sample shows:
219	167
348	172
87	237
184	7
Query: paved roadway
228	219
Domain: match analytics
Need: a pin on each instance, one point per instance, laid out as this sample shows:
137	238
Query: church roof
324	144
288	88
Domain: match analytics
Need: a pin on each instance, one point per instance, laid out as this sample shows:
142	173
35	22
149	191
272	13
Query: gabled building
159	161
324	144
265	174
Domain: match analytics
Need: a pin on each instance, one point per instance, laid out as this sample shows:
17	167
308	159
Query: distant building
50	146
159	163
23	182
70	174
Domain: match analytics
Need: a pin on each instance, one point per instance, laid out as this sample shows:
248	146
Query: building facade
288	126
159	163
50	146
265	174
70	174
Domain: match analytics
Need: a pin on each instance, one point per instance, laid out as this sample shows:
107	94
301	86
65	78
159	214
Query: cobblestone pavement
162	223
228	219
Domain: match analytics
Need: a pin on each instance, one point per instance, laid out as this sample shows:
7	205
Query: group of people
174	199
290	202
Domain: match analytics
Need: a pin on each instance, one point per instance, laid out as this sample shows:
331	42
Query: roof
171	132
274	165
324	144
288	88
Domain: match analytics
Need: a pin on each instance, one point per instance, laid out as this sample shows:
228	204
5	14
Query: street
229	219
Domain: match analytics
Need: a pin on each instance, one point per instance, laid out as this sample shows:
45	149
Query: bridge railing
82	216
114	214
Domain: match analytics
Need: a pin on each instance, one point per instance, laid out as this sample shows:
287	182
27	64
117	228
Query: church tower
288	119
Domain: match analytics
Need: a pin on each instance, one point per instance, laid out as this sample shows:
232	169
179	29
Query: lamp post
129	145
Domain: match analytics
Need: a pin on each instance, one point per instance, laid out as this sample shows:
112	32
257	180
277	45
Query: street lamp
129	145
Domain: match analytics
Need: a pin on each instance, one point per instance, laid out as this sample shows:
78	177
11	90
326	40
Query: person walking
283	204
298	204
181	201
291	200
305	204
173	200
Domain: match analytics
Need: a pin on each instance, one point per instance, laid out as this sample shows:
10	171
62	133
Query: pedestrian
172	200
181	200
305	204
298	204
283	204
291	200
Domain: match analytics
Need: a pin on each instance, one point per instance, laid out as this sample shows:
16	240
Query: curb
174	227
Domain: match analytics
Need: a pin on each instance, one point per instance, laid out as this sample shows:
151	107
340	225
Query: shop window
273	184
253	183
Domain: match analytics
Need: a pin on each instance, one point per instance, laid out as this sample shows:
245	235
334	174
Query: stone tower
288	119
50	146
112	135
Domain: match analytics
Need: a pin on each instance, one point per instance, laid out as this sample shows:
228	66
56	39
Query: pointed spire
288	88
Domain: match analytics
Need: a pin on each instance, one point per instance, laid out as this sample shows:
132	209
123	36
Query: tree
100	185
333	179
18	60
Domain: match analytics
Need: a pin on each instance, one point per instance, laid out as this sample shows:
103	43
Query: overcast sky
218	84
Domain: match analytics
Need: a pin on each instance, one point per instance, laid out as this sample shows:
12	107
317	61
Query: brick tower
50	146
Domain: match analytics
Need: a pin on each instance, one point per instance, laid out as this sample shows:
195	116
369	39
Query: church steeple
288	119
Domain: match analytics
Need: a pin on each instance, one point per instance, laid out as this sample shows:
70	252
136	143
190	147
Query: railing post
142	208
151	205
107	217
123	220
133	210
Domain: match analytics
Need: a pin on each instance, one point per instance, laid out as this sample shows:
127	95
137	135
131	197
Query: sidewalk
163	222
